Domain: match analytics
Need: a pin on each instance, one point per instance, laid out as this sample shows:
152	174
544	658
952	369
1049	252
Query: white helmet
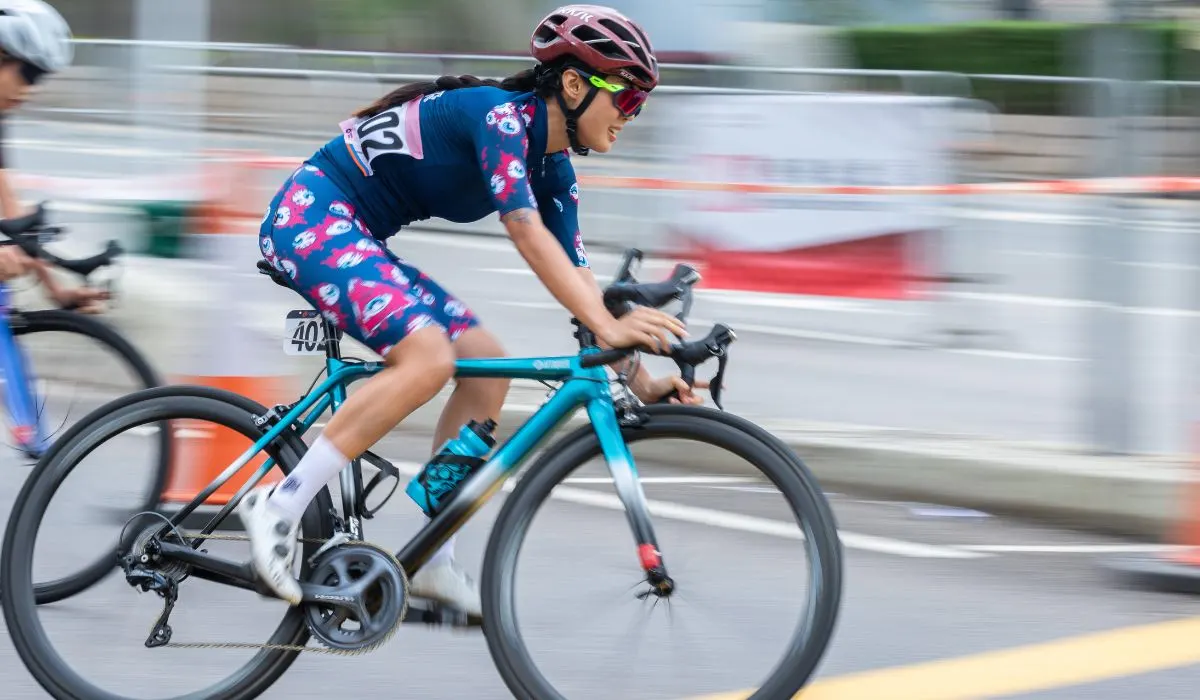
35	32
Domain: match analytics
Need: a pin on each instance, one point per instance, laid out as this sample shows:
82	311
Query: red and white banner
859	241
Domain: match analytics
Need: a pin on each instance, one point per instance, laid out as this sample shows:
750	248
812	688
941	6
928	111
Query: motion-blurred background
1062	314
957	239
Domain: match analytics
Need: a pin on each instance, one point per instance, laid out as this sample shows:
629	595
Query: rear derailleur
146	570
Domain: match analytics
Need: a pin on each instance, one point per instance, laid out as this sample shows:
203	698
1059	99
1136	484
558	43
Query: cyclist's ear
573	84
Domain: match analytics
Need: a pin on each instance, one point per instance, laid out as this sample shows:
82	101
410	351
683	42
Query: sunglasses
628	100
30	73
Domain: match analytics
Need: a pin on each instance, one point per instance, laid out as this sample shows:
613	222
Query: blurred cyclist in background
458	148
34	41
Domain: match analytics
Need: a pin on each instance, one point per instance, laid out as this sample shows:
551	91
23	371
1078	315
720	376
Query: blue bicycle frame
20	399
585	384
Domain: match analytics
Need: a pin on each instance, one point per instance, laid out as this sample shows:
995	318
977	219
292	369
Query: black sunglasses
30	73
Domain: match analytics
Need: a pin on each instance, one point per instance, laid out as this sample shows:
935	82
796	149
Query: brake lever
715	344
625	270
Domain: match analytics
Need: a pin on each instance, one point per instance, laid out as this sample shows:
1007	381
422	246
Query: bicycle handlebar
29	232
620	296
625	291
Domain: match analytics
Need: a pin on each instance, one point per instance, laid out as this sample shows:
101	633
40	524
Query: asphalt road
938	603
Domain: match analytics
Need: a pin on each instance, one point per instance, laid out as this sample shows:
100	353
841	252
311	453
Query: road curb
1122	496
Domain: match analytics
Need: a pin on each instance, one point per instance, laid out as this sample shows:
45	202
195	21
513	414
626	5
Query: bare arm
641	379
550	263
10	208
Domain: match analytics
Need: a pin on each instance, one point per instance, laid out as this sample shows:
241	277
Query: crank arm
431	613
242	575
333	595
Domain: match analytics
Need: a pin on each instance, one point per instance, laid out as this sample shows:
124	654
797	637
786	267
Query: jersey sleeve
557	193
501	143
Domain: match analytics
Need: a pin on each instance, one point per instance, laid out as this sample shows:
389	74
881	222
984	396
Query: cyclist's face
601	124
14	90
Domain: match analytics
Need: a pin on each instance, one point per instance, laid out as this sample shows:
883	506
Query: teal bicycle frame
585	384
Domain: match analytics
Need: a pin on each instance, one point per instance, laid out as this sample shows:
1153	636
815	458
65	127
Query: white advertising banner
806	139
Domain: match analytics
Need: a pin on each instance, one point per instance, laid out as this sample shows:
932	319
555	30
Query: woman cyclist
457	148
34	41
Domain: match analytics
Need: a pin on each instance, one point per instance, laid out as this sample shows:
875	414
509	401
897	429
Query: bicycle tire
152	405
67	586
56	320
799	486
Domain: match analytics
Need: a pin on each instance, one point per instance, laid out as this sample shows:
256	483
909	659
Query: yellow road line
1061	663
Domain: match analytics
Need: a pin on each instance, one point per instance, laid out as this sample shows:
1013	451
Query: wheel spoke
151	407
743	442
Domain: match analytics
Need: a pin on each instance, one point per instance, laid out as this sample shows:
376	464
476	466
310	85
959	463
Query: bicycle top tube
586	365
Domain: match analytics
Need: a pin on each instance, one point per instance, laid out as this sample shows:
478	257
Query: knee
430	352
479	343
440	362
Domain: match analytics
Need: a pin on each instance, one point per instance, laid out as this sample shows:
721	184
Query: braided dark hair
544	78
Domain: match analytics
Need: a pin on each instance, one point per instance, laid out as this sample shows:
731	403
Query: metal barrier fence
1033	280
279	90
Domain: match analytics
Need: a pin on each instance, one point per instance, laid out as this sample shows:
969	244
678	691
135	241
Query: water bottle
453	463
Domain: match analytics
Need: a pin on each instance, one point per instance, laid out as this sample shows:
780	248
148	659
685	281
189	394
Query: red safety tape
1116	185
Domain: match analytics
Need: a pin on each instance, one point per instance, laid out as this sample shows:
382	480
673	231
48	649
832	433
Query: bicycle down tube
584	386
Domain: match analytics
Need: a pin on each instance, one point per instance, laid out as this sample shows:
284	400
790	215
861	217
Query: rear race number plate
305	332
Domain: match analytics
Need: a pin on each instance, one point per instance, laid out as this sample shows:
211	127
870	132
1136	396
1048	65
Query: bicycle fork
633	498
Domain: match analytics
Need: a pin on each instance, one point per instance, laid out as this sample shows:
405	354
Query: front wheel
805	644
43	335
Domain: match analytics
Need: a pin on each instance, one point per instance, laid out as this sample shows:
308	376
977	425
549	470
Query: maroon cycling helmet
600	38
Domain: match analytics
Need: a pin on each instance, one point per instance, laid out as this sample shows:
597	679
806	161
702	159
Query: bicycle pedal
423	611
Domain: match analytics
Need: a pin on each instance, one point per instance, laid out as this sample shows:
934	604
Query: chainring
325	647
369	603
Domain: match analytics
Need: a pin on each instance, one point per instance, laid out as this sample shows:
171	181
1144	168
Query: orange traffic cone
227	354
1176	570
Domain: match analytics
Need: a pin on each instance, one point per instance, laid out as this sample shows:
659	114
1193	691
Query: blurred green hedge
1009	48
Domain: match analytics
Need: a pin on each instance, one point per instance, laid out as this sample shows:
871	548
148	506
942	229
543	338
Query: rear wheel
36	329
104	564
780	467
26	630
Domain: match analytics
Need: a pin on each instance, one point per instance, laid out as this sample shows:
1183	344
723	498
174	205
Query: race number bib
306	333
394	131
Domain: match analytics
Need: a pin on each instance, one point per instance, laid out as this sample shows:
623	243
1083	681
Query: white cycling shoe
273	549
447	584
272	544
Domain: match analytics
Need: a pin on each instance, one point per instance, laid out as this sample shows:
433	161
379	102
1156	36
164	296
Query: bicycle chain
295	647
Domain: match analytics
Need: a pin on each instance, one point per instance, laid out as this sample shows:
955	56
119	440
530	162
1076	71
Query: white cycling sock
317	468
445	554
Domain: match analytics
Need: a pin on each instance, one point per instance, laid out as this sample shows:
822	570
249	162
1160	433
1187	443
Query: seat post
333	346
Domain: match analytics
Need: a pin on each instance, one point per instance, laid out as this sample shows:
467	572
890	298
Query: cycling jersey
458	155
